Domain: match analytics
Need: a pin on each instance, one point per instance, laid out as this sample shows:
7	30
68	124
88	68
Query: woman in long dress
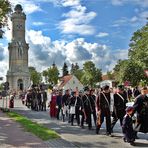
53	109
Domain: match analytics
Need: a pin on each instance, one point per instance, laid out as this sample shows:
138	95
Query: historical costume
93	104
65	104
75	103
103	109
141	108
120	100
127	126
53	108
87	107
59	104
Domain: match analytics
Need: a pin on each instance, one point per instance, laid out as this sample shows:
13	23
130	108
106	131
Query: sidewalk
13	135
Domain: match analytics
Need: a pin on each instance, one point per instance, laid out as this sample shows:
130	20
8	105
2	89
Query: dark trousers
58	111
115	119
43	106
108	122
88	118
82	119
77	116
94	116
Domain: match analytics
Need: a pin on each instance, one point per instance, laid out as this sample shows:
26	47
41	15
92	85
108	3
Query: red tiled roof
105	77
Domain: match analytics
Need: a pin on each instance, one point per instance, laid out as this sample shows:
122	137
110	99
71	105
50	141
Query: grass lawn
35	128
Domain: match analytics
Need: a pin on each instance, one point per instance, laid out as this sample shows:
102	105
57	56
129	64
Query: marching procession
87	108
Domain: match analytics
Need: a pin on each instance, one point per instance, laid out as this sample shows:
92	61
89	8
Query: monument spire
18	73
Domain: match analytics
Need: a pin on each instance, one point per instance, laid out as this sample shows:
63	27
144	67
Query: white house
69	82
110	83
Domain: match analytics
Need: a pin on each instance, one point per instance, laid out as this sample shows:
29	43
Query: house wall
106	82
73	83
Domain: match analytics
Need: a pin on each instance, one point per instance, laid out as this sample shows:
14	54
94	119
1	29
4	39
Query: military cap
86	88
106	87
121	87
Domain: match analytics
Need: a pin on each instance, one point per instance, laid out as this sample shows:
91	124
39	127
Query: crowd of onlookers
34	98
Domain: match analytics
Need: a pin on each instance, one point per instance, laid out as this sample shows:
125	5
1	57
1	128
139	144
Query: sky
76	31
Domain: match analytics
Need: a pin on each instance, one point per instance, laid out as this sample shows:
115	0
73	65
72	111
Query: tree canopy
133	69
91	75
5	10
65	69
35	76
51	75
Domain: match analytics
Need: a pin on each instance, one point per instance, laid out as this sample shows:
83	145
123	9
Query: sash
120	97
89	103
105	99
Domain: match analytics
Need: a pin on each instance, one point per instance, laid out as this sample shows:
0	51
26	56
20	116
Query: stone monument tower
18	74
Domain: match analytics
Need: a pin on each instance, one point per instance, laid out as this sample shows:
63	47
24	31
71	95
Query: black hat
121	87
86	88
129	108
106	87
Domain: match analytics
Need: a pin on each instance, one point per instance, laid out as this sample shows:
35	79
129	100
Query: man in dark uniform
81	109
87	107
75	102
44	100
120	100
141	108
65	103
59	103
103	109
93	104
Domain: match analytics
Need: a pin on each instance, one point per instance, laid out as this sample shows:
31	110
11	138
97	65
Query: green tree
138	54
138	51
35	76
110	75
5	10
51	75
119	70
74	68
65	69
133	73
91	74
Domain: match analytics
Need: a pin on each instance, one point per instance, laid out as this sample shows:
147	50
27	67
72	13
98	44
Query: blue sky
77	30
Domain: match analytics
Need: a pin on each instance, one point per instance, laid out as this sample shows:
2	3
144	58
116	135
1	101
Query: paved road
77	136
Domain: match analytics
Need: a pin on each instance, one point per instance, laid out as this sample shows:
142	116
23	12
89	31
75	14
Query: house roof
64	81
105	77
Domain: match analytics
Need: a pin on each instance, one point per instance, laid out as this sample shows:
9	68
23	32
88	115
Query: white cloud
3	61
65	3
139	18
28	6
134	19
117	2
142	3
102	34
43	52
77	21
143	15
38	23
